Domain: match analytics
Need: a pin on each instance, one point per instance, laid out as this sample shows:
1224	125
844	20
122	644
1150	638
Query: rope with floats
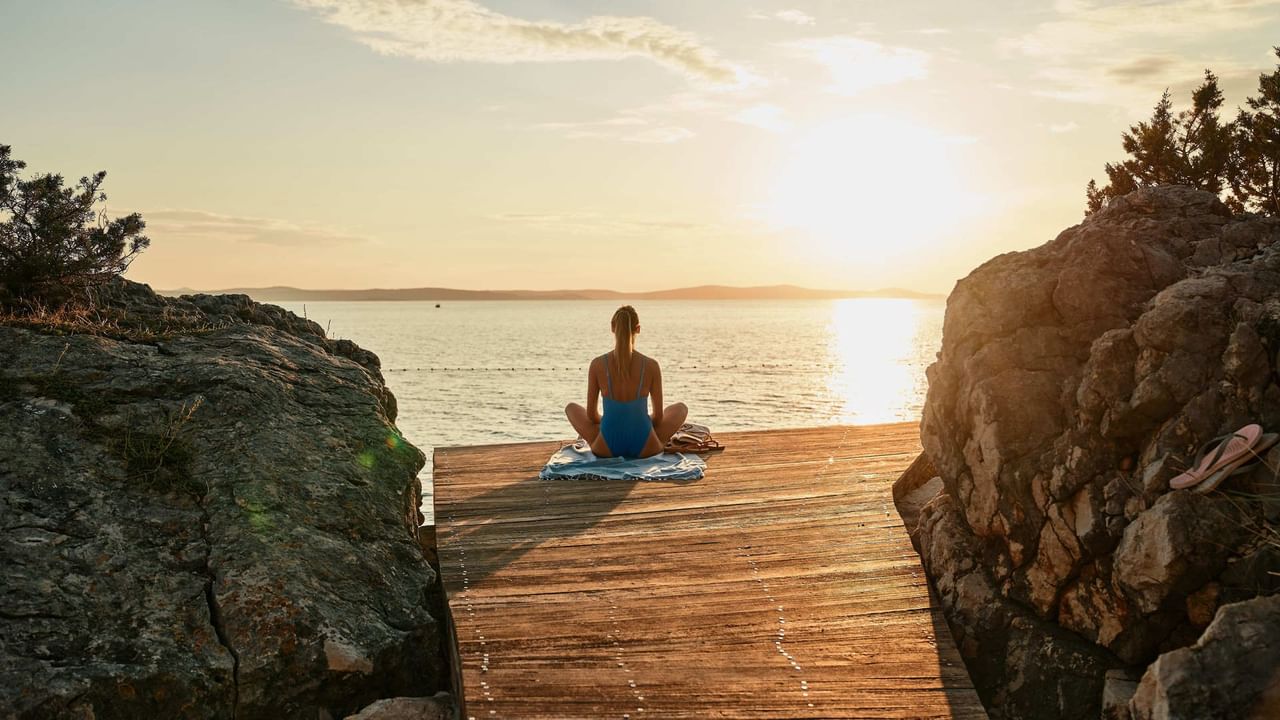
732	366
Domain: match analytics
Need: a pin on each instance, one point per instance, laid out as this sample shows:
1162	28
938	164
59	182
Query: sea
484	372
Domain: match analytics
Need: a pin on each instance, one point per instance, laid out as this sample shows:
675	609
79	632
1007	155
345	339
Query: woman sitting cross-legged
629	379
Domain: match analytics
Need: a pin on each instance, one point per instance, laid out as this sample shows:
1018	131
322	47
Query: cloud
589	223
795	17
856	65
199	225
1097	52
1141	69
465	31
1135	84
659	122
624	121
1065	127
669	134
764	116
1083	27
626	127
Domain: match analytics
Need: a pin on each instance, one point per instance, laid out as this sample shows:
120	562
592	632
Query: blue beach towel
577	461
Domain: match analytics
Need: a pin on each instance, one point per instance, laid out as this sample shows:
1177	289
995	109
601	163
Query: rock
437	707
1156	476
208	512
1232	671
1008	650
918	473
1178	545
1092	608
1074	380
1119	687
918	485
1264	483
1246	360
1257	572
341	657
1089	518
1203	603
1058	555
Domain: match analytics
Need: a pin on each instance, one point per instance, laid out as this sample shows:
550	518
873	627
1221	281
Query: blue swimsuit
625	426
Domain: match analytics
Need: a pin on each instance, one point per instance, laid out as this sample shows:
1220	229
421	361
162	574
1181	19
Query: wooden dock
781	585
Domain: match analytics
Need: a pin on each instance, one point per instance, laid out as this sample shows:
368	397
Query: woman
629	379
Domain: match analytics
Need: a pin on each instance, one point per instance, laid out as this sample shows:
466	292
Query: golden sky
629	145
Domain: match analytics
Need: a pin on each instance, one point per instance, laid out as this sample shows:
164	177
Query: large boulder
207	512
1231	673
1074	381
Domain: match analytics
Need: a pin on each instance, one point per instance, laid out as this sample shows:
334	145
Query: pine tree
1254	173
1151	147
1190	148
53	239
1204	148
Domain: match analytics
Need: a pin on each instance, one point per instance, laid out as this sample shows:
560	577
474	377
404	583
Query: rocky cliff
1074	381
205	511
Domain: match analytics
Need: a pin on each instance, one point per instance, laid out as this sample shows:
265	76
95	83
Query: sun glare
870	186
872	342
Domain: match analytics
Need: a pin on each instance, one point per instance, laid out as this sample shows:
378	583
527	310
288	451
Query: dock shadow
917	486
572	507
957	682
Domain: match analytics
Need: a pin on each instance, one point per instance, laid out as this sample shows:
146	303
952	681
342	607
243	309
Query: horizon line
707	288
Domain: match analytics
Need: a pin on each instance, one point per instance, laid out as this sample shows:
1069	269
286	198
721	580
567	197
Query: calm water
493	371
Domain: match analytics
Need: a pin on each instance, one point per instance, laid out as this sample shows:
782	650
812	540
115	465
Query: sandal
1248	463
1227	450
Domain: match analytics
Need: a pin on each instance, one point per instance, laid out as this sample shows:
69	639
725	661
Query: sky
627	145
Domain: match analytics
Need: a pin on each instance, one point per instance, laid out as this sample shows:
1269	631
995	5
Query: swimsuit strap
641	383
607	375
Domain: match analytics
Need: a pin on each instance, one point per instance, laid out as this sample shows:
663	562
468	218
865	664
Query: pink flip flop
1218	454
1246	463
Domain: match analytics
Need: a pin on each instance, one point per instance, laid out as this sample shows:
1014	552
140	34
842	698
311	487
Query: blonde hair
624	324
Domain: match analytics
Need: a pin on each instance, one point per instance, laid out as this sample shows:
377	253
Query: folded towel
692	437
577	461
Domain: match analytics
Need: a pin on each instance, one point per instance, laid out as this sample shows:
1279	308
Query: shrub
53	240
1194	147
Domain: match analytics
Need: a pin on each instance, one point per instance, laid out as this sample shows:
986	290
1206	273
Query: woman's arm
655	393
593	392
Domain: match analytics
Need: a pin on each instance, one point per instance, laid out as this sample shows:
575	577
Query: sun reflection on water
874	373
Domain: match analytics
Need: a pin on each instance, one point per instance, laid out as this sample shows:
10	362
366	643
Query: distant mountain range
702	292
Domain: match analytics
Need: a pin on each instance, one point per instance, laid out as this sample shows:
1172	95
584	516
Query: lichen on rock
204	504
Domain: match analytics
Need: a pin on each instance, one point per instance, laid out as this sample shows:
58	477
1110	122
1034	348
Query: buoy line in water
736	366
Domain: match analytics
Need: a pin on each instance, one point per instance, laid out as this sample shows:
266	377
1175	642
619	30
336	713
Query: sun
868	185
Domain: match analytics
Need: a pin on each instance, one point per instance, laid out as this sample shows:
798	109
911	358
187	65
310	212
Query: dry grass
89	318
158	459
1257	507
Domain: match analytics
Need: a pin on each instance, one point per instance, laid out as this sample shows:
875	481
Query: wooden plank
781	585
